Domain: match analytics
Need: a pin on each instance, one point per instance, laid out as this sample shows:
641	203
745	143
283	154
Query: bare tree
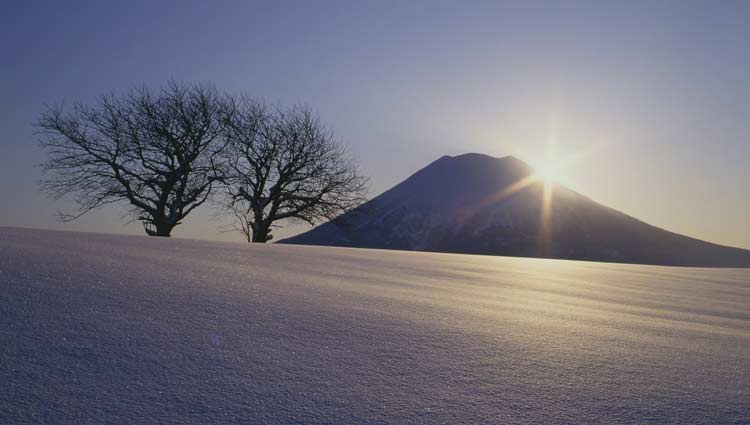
151	150
284	164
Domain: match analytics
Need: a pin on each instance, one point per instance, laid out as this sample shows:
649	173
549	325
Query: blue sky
658	93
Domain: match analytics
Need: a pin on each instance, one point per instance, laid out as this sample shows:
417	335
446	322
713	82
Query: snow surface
123	329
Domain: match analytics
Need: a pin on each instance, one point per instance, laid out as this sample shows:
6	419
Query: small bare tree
151	150
284	164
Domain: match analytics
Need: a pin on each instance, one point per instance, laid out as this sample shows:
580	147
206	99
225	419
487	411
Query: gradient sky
657	92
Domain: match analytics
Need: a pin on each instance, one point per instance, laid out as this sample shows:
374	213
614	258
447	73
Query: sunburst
550	170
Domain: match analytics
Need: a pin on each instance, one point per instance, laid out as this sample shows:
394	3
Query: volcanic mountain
477	204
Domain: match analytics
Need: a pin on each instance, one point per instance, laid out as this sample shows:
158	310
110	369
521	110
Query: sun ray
545	223
508	191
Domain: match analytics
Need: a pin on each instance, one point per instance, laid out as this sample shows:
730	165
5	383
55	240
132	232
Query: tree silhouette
152	150
284	164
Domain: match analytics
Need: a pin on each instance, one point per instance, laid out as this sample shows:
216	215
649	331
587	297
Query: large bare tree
284	164
153	150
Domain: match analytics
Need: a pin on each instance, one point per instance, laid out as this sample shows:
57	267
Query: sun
548	170
549	166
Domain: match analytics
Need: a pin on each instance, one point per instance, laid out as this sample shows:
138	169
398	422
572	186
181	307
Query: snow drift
127	329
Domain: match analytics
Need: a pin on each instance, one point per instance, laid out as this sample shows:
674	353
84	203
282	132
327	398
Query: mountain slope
466	204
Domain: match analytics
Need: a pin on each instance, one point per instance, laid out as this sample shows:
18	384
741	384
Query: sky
656	94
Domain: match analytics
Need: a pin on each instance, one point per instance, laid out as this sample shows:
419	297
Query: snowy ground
121	329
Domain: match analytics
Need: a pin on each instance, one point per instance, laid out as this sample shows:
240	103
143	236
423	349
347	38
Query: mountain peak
481	168
475	156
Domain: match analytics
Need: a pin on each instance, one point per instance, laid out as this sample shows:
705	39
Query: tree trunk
261	234
159	229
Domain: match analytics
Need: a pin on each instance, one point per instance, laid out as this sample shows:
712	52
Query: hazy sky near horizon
656	93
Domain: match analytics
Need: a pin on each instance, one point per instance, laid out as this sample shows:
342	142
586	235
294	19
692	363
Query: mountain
475	204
